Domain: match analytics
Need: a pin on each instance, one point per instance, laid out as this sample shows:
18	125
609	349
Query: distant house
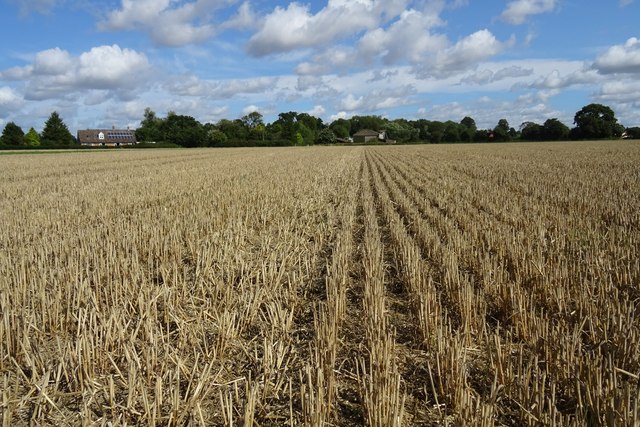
368	135
106	137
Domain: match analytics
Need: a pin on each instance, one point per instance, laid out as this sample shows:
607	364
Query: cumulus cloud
518	11
9	101
244	18
378	99
407	38
556	80
295	27
620	58
214	89
317	111
55	72
620	92
171	23
482	77
465	54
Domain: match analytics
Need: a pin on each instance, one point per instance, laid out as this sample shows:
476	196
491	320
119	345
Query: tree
436	132
12	135
150	127
216	137
530	131
401	130
285	127
326	136
341	128
185	131
32	138
633	132
468	129
502	131
254	124
596	121
55	132
451	132
554	130
252	120
234	129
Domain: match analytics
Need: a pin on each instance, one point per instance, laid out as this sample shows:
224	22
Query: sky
101	63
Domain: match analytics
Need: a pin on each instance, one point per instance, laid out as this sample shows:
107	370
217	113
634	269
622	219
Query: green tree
216	137
150	129
436	132
234	129
401	130
185	131
502	131
32	138
12	135
341	128
55	132
596	121
308	135
284	128
252	120
554	130
326	136
633	132
254	125
530	131
451	132
467	129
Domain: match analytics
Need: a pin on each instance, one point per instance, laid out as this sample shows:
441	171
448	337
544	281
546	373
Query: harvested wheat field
383	286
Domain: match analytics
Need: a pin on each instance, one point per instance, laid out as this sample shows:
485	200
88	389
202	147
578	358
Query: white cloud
55	73
620	58
407	38
9	101
172	23
485	76
317	111
244	18
52	61
556	80
294	27
378	99
219	89
624	91
250	109
518	11
465	54
110	67
624	3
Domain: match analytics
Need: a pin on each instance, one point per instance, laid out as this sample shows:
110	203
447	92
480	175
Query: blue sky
99	64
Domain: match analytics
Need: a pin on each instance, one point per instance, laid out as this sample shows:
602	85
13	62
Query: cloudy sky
100	63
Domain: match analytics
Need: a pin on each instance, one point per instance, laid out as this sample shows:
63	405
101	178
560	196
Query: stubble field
384	286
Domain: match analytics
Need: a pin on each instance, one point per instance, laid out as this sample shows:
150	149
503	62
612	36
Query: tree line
55	134
594	121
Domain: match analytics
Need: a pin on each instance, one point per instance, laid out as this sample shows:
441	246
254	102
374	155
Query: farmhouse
368	135
106	137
